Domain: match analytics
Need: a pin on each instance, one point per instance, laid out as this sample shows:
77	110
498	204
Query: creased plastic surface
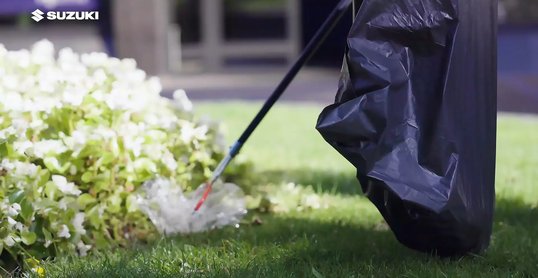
171	211
415	113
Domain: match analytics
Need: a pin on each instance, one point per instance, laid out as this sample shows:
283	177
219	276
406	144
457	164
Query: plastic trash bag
415	113
171	211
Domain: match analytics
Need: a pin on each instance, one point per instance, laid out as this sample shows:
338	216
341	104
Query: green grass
348	239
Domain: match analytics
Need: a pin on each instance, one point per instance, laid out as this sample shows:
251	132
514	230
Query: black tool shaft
308	52
316	41
311	48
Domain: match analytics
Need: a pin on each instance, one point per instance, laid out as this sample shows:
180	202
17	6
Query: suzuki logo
37	15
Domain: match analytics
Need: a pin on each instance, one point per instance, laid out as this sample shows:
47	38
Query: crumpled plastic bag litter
171	210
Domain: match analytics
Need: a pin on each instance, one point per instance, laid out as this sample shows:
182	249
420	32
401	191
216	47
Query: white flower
79	137
169	161
7	165
42	52
9	83
13	210
45	147
52	161
62	204
312	201
20	58
152	119
15	100
64	186
154	85
128	64
6	132
9	241
66	56
136	76
104	133
121	99
11	222
182	101
74	97
94	59
16	207
47	80
37	124
25	169
42	104
190	133
73	170
21	146
19	226
98	95
154	151
78	223
83	248
135	146
292	188
64	232
77	141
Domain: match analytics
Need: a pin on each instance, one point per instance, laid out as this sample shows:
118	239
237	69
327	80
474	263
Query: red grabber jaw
234	150
209	187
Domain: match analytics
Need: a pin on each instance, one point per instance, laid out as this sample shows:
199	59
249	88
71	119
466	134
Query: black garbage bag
415	113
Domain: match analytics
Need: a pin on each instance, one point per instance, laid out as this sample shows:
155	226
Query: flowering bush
78	135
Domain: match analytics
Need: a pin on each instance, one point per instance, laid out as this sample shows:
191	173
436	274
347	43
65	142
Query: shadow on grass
290	246
515	238
344	183
280	247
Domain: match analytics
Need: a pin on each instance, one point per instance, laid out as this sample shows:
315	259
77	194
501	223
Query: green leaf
115	203
145	164
85	199
130	203
65	167
87	177
16	197
47	235
50	190
28	237
44	177
115	147
101	184
100	240
27	210
107	158
32	262
53	164
4	149
4	232
94	216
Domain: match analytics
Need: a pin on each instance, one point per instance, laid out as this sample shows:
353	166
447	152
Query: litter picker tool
341	8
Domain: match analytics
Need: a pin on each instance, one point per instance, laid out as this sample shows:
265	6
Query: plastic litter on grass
171	210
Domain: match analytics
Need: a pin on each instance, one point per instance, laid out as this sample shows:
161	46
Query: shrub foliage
78	135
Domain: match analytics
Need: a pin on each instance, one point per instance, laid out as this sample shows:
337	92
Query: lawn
349	238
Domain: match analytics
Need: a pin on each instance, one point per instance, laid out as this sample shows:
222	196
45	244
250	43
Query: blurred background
239	49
